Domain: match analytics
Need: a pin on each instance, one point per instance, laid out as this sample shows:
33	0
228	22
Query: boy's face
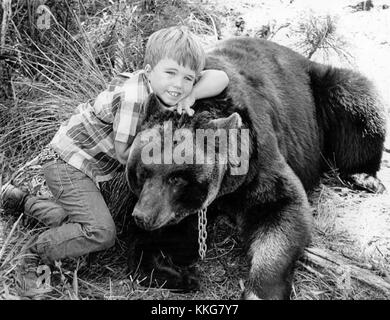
170	81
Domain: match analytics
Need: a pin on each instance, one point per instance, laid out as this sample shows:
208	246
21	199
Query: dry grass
103	275
320	34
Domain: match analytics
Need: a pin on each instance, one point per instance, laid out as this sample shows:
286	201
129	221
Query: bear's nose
140	222
141	219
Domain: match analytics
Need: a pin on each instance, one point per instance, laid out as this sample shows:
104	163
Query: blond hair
177	43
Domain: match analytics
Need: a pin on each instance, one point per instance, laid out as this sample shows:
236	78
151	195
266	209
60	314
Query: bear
286	118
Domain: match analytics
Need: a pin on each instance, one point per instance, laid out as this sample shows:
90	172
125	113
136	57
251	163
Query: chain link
202	226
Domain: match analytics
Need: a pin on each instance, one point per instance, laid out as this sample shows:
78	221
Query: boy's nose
178	83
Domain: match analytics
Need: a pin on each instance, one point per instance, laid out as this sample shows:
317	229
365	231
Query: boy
95	141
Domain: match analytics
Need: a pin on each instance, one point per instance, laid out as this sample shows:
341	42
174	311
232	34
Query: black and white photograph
196	150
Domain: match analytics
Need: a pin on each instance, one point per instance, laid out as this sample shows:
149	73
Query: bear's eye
177	181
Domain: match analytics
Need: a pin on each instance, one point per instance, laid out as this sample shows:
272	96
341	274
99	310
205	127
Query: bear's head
178	165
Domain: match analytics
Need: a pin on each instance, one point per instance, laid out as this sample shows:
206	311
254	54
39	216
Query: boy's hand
185	105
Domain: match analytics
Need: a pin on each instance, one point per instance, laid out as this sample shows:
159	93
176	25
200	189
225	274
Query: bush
319	34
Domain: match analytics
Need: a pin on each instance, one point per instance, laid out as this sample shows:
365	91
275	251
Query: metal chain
202	225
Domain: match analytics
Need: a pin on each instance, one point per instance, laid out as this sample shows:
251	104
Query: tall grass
51	80
55	70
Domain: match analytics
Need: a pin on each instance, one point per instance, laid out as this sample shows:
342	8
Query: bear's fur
301	116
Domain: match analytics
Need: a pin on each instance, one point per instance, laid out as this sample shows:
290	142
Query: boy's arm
210	84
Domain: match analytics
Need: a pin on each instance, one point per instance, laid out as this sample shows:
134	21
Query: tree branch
326	260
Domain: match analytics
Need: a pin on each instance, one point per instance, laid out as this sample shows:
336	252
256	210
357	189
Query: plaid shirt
86	140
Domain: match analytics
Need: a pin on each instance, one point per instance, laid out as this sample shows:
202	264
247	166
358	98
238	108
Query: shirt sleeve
127	106
126	120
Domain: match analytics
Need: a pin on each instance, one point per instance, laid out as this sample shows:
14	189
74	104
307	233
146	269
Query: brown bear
286	117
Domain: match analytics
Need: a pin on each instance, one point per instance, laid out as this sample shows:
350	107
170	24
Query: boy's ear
198	76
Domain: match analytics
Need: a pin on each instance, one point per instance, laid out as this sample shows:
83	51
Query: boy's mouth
174	94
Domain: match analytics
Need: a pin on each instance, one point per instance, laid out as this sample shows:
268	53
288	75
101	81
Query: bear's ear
234	121
238	142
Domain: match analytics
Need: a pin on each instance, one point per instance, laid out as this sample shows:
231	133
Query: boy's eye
170	72
189	79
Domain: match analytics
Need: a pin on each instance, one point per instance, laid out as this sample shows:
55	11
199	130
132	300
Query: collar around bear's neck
202	235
